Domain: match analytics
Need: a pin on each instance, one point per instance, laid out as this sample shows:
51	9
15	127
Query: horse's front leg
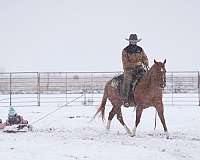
160	110
139	110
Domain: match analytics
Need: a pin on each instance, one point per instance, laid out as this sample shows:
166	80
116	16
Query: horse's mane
150	71
147	76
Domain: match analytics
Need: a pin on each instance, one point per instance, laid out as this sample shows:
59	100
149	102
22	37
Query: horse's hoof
167	135
132	135
107	130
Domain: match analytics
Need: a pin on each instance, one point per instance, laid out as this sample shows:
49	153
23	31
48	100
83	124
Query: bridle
162	78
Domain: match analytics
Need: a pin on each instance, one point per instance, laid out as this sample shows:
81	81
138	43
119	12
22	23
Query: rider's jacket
132	57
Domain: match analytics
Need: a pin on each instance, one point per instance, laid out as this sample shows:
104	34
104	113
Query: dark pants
129	77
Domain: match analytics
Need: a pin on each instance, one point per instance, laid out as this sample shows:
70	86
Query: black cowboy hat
133	38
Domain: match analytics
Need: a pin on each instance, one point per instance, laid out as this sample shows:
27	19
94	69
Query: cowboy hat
133	38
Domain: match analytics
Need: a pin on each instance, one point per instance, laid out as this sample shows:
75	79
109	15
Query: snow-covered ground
69	134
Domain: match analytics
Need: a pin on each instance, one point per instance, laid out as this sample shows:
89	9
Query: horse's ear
155	61
164	61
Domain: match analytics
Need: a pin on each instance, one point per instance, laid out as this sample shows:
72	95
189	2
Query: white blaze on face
162	70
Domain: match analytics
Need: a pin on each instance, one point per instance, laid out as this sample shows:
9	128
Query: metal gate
40	88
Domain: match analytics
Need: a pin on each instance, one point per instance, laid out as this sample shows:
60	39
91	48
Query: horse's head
160	73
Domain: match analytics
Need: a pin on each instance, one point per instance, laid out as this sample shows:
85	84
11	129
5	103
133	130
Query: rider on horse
134	62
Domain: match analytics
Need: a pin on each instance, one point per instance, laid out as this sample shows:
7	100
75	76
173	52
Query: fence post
38	88
10	89
92	85
172	88
199	87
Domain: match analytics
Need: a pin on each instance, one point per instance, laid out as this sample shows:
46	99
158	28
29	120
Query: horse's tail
101	108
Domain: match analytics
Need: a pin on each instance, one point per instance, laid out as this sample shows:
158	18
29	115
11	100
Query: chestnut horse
148	92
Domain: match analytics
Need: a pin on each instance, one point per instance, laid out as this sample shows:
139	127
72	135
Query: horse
148	92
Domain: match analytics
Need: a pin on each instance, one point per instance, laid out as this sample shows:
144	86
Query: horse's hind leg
160	110
110	117
120	118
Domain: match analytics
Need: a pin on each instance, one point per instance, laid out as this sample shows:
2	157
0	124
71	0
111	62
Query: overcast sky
89	35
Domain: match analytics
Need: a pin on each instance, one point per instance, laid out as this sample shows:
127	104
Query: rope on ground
4	99
43	117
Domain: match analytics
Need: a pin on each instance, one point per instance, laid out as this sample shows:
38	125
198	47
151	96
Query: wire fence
38	88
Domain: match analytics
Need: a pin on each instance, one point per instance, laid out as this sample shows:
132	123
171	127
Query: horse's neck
146	79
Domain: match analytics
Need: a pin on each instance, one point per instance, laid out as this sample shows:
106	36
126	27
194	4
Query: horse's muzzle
163	85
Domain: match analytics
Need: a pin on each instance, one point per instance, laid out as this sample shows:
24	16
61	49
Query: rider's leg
126	86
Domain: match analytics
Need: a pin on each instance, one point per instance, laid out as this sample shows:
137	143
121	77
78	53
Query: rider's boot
125	103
